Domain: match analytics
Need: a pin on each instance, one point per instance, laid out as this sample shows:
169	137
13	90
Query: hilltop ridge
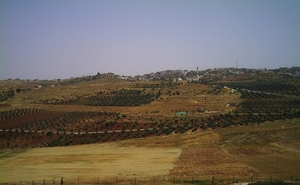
204	76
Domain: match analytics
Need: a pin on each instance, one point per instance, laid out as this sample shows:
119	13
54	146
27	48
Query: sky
72	38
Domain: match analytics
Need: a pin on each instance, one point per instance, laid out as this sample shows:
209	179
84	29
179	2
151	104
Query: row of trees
265	86
73	122
13	113
113	98
271	104
256	95
5	95
121	98
109	126
156	85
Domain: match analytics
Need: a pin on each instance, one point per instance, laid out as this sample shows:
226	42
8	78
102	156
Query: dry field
18	121
201	155
88	161
191	97
261	150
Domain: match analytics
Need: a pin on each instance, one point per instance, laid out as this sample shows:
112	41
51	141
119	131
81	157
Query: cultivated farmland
115	128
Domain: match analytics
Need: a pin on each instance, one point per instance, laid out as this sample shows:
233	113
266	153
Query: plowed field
18	121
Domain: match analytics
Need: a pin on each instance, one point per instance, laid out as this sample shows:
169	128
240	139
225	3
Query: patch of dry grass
272	147
105	160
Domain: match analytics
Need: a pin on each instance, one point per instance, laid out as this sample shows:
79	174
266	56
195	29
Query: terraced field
142	130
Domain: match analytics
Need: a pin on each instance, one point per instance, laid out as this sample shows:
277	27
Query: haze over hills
187	74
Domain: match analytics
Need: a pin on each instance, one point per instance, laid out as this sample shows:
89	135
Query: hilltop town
201	76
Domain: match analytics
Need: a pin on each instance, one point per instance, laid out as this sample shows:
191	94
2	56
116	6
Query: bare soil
18	121
4	105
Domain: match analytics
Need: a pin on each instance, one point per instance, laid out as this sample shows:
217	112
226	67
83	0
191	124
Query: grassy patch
198	182
4	154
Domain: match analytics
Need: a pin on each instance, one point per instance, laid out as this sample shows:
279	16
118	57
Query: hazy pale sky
69	38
